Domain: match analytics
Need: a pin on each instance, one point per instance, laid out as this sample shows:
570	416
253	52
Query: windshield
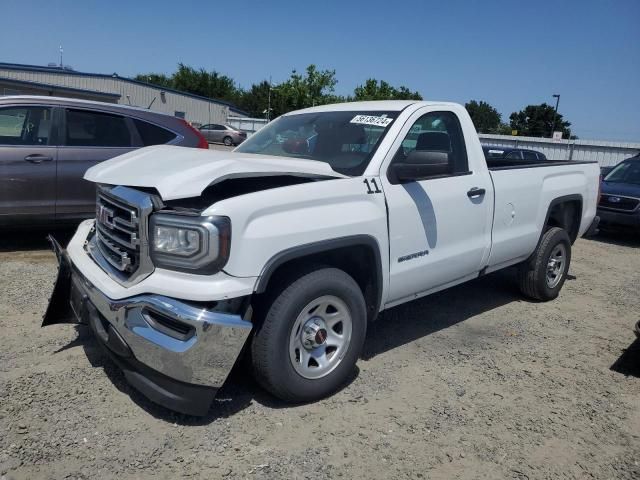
344	140
626	172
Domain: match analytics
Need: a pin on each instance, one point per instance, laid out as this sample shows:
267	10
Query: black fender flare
323	246
576	197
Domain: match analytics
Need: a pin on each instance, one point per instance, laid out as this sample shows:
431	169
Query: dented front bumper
177	353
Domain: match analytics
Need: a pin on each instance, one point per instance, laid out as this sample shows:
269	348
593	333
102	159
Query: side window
96	129
217	127
25	125
514	156
152	134
529	155
205	127
437	132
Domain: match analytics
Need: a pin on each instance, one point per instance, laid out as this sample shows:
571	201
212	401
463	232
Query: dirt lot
474	382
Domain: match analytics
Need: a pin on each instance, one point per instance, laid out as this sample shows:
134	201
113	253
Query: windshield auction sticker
372	120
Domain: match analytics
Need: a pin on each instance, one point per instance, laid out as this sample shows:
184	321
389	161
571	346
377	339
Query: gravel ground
474	382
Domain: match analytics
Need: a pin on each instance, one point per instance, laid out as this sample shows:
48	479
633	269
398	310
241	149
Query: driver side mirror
420	165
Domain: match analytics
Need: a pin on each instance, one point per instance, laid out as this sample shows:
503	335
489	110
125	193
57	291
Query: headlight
176	240
189	244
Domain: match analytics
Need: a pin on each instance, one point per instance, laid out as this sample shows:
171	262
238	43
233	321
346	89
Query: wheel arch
357	255
564	212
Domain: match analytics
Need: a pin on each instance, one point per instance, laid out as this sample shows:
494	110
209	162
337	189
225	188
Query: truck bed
523	199
509	164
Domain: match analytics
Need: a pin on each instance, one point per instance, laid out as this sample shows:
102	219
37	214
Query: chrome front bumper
202	351
177	343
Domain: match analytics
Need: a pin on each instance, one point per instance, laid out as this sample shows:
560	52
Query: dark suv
47	144
509	153
620	199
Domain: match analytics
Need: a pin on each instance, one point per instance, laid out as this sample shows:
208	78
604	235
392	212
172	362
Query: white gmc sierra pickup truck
285	248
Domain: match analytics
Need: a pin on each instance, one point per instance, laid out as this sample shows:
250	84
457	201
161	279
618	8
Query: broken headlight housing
191	244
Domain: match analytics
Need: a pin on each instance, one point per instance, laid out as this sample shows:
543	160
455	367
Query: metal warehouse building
16	79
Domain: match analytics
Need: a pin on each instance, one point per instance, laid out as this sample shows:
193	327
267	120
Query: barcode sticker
372	120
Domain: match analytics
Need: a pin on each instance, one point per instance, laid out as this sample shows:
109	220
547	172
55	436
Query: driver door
440	225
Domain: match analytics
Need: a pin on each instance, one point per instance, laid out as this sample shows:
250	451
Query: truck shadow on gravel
396	327
238	392
619	237
411	321
628	364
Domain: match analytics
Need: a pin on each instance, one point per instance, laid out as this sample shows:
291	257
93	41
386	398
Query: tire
281	364
538	278
228	141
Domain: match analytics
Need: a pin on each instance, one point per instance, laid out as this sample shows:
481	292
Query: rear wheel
543	275
228	141
311	336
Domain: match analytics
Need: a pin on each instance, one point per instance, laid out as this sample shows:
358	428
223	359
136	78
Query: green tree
504	129
207	84
300	90
485	117
381	90
199	82
255	101
538	121
159	79
314	87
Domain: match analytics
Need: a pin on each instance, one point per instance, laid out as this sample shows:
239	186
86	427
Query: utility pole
60	56
269	101
555	113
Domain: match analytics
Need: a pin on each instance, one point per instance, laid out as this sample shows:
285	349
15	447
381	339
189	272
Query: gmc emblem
104	215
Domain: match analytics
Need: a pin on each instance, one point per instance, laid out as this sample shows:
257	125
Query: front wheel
312	334
542	276
228	141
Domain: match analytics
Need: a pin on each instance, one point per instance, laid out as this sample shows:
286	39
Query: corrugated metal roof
66	71
50	86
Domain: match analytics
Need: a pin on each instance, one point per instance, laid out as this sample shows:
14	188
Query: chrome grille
117	233
618	202
120	244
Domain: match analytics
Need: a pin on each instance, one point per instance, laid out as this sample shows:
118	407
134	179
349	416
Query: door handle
36	158
476	192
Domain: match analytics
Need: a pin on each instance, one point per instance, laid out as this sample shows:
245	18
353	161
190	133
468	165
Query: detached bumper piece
176	353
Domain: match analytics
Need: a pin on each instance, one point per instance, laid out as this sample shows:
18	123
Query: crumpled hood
180	172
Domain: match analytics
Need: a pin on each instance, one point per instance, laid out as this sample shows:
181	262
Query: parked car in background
507	153
216	133
620	200
48	143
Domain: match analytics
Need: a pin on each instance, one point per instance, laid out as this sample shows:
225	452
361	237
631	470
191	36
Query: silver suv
47	144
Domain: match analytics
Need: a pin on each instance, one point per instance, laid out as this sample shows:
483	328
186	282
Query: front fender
267	223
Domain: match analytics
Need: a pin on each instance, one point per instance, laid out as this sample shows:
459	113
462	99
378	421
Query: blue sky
508	53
